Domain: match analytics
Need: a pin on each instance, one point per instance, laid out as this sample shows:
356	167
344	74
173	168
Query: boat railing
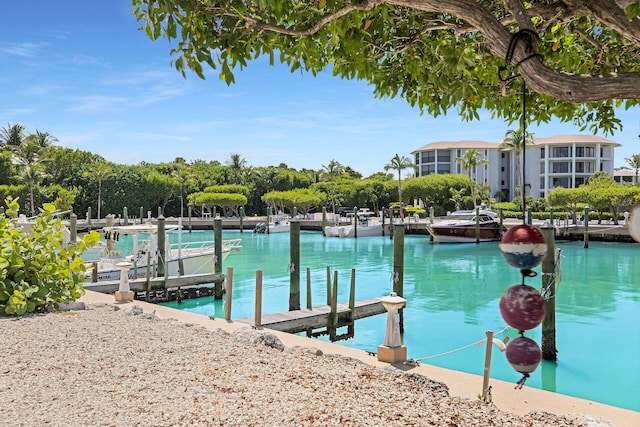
230	244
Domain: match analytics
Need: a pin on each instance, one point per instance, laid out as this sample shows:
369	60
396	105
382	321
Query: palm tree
237	164
100	172
12	136
27	157
400	163
514	141
634	164
42	139
470	160
329	173
183	178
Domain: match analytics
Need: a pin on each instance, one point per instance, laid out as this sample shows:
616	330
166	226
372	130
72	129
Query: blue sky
82	71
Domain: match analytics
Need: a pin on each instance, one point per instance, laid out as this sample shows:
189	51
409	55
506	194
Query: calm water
452	296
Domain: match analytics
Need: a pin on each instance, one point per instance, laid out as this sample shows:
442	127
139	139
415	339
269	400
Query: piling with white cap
124	294
392	351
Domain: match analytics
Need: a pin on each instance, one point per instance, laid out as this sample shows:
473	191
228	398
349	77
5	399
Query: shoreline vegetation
140	364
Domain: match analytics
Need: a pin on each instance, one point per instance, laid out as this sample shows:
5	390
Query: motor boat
180	258
364	223
461	227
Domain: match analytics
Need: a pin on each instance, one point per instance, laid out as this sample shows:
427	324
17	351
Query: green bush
37	270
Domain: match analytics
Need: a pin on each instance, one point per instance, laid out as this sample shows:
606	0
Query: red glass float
524	355
523	246
522	307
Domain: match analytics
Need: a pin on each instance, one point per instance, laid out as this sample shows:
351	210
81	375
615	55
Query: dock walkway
318	317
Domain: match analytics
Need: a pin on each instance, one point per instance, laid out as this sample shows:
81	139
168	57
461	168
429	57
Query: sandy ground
103	366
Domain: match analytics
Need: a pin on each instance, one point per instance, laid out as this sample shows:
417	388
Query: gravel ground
109	367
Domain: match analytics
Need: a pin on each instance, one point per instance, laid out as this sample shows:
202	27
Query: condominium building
558	161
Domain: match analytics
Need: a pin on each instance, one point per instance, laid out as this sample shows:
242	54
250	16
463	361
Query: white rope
463	347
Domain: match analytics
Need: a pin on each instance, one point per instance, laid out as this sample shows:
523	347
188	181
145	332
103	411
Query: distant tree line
37	171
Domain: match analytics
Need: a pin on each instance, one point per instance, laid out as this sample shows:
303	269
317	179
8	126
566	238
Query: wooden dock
140	284
319	317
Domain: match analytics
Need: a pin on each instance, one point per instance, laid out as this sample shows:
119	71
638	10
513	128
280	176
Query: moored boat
464	227
363	224
180	258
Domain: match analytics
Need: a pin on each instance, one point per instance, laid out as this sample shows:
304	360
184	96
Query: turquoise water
452	296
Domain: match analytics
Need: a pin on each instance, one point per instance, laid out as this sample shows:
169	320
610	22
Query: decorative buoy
523	246
522	307
524	355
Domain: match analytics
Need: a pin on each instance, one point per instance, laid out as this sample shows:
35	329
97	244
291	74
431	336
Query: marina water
452	293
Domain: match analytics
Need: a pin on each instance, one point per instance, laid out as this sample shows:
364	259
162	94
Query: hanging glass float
522	307
523	246
524	355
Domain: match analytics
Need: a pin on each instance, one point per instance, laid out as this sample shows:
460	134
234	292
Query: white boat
363	224
276	224
460	227
180	258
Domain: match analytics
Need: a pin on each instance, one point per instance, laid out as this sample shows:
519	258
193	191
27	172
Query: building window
542	152
561	182
584	167
444	168
417	159
542	183
430	157
560	167
502	169
502	155
444	156
585	152
579	181
502	182
560	152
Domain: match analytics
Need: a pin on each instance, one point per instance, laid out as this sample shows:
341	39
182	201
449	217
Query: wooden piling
74	229
125	216
328	285
487	367
398	267
585	222
355	221
141	214
241	218
549	351
324	219
89	219
258	309
268	218
501	223
294	265
189	215
309	306
334	301
352	295
228	293
217	247
217	244
162	239
477	225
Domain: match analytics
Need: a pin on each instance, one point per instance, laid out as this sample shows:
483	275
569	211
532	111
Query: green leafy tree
228	202
470	160
160	188
400	163
568	199
38	270
436	190
579	62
